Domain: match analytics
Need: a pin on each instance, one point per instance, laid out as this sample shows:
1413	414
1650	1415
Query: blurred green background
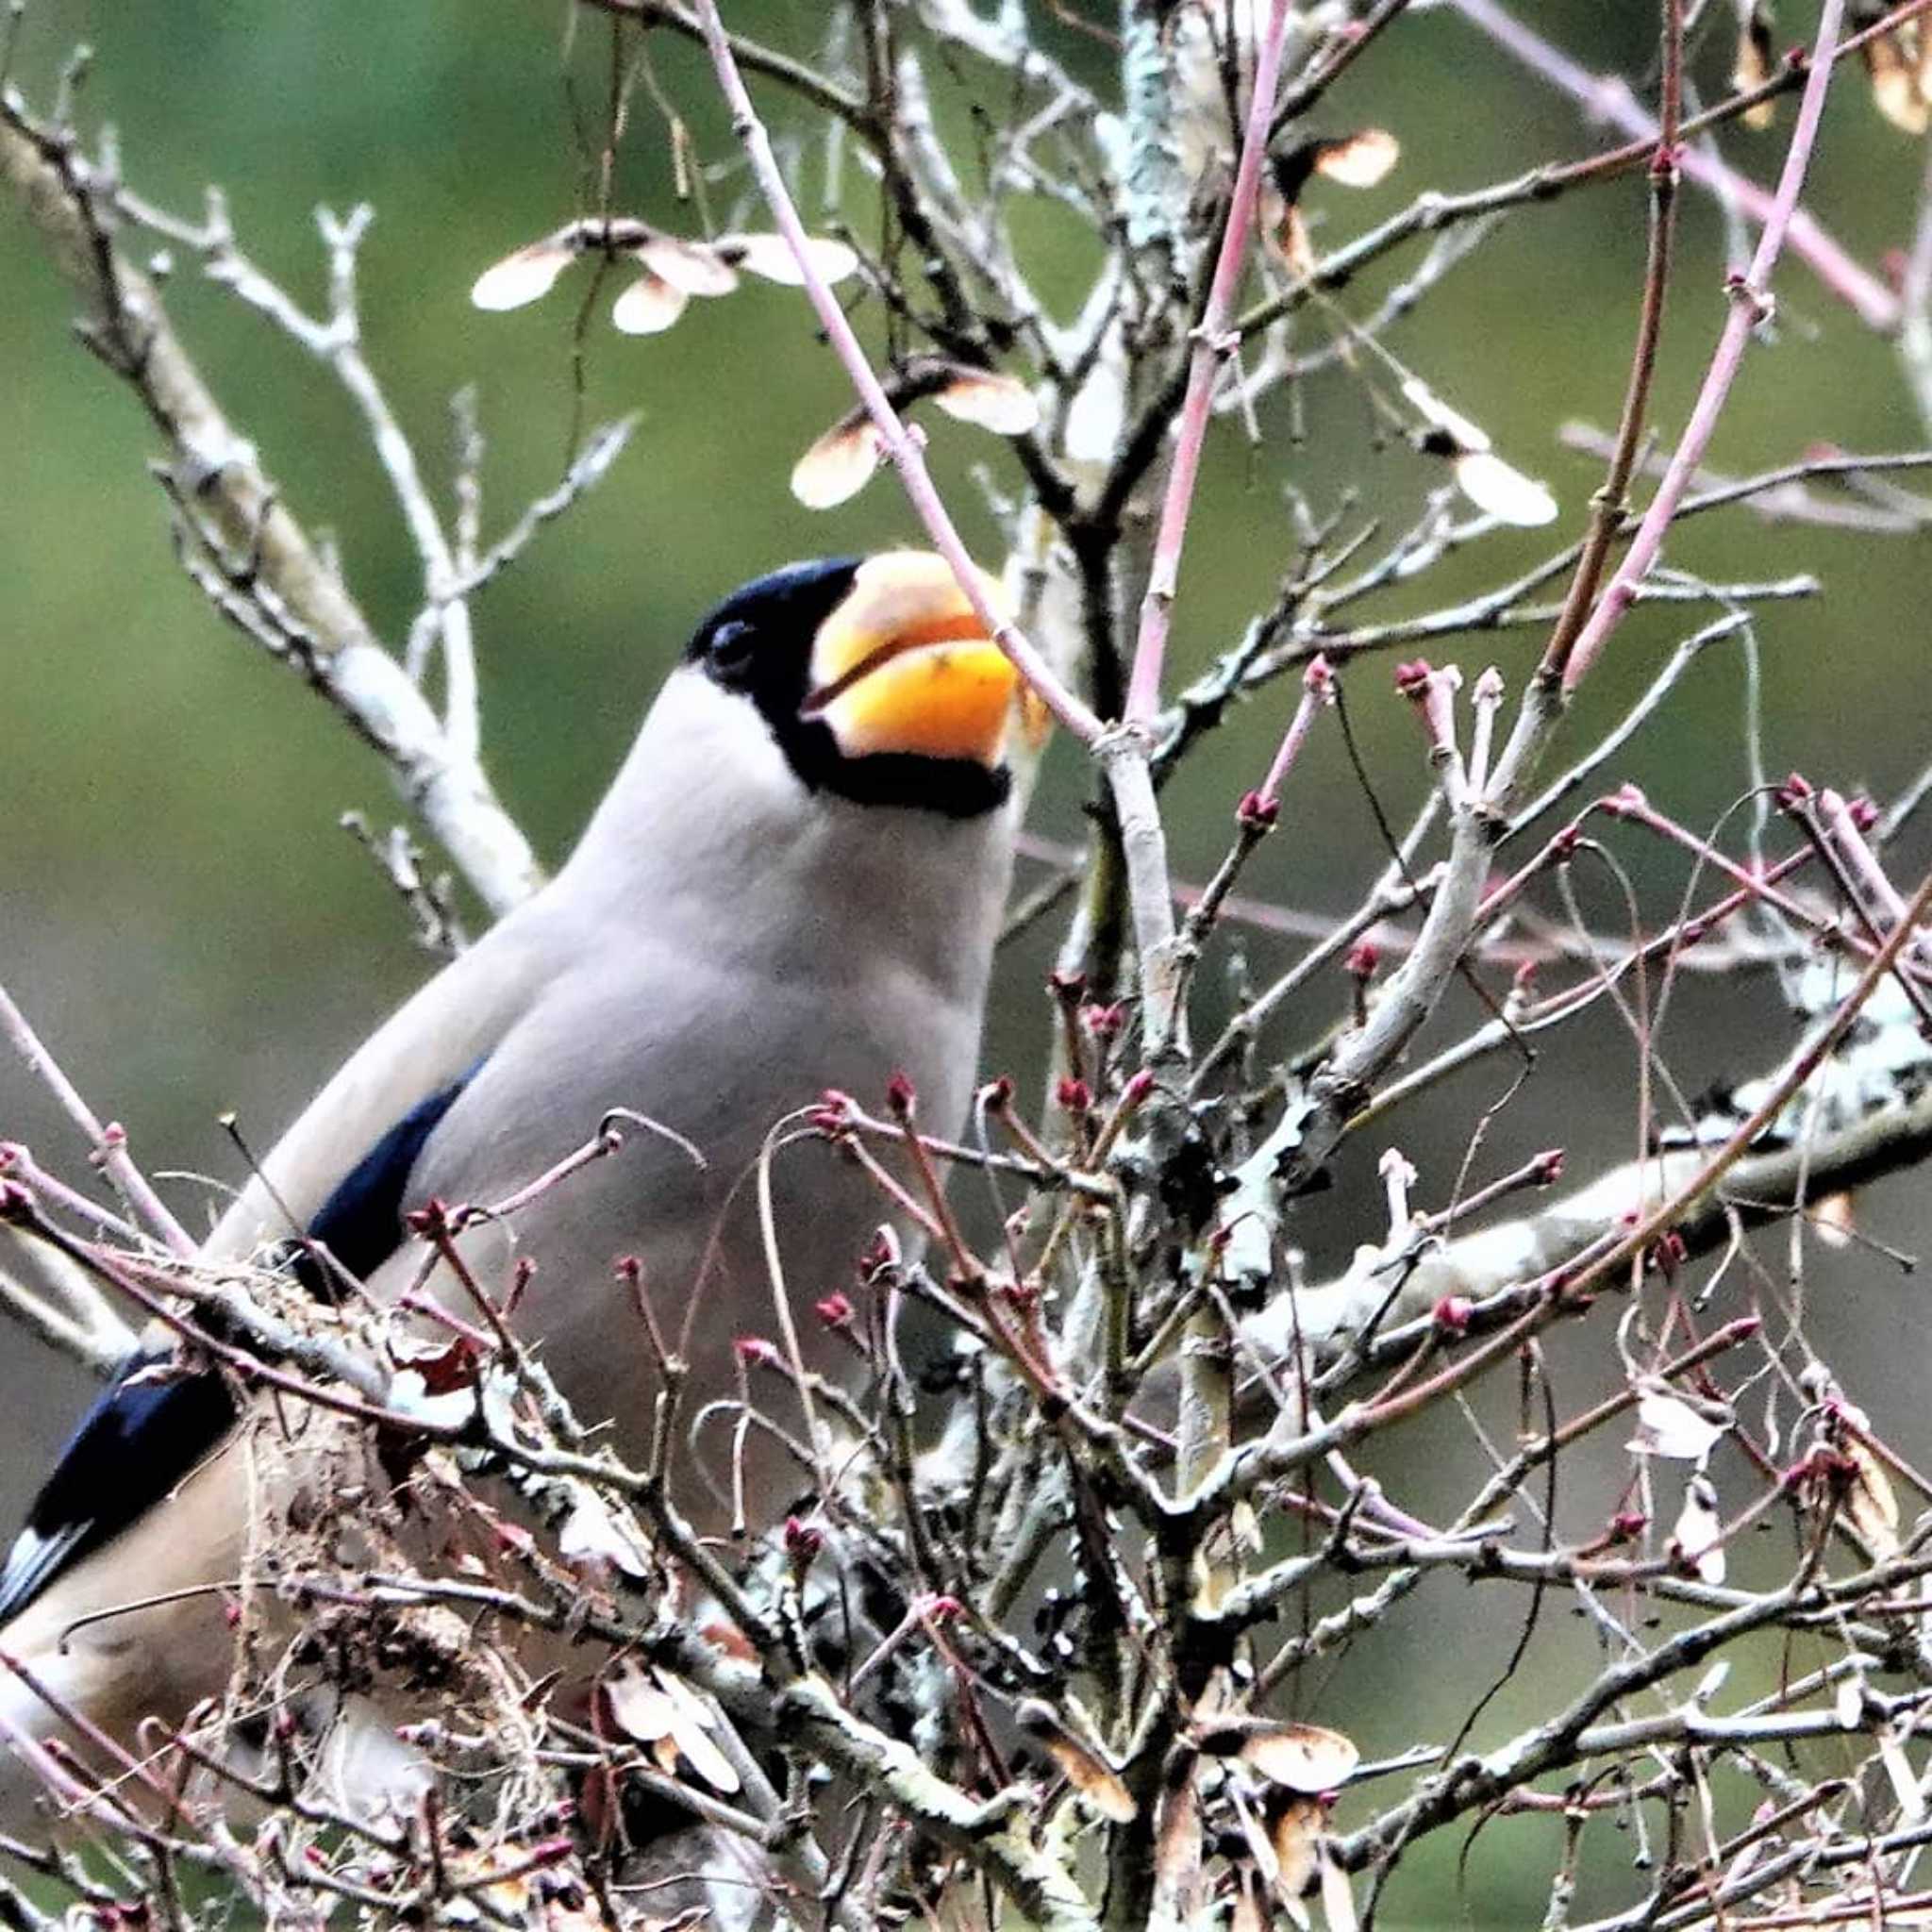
184	922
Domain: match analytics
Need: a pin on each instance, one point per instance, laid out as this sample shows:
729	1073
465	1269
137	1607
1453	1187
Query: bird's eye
731	647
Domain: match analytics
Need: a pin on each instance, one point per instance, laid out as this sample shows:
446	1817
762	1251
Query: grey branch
218	478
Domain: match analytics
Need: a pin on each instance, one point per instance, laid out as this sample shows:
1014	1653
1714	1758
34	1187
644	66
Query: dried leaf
649	306
410	1395
729	1640
771	257
443	1364
839	465
510	1896
692	266
523	277
1359	159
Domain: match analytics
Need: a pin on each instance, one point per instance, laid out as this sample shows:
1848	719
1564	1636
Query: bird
793	884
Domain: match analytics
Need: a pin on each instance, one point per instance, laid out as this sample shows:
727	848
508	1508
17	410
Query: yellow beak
904	665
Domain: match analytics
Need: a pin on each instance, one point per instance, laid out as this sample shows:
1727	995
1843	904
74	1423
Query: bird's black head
874	677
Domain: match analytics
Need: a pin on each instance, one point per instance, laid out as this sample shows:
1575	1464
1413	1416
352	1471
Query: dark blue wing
362	1222
147	1430
138	1441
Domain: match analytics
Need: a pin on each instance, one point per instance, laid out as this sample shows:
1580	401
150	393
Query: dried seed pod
1304	1757
1090	1775
1696	1543
1870	1505
523	277
1756	60
674	267
988	399
1484	477
1899	65
1504	491
1355	161
649	306
1361	160
1833	1218
593	1534
841	462
1294	1836
654	1706
1338	1897
1288	234
1669	1426
638	1708
771	257
693	266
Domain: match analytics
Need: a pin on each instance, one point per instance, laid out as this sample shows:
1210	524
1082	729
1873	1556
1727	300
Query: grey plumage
741	925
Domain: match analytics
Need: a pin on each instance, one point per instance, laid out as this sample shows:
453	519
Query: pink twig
1749	303
109	1142
18	1161
1915	285
1858	855
1318	689
899	443
1611	99
1213	344
1915	298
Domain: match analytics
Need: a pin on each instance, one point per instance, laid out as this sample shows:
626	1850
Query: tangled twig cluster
1047	1631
